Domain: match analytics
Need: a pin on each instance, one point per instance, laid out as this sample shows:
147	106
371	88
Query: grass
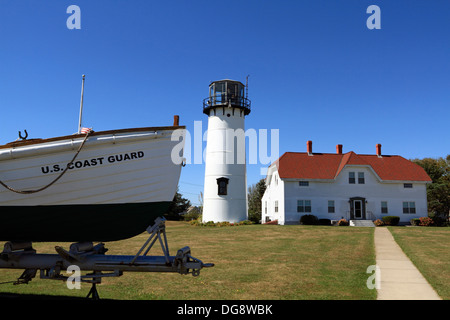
251	262
428	248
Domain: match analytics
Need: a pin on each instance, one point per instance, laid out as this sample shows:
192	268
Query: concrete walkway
400	279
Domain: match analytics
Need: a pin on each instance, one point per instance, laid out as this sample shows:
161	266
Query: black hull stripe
73	223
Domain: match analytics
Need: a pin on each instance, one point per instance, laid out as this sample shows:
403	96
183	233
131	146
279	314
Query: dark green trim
72	223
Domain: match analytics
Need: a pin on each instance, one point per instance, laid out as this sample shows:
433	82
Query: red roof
298	165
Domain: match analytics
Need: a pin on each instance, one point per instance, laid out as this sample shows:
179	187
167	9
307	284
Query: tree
192	214
255	194
438	192
177	206
200	200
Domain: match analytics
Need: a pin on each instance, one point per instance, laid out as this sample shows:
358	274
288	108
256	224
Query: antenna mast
246	87
81	105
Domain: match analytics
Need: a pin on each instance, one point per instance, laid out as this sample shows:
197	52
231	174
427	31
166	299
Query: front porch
361	223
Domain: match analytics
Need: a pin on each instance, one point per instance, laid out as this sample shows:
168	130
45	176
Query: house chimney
378	146
339	148
309	147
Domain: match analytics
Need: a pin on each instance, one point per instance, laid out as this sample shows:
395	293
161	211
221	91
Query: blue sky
316	71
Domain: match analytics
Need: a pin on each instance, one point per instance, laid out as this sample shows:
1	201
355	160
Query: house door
358	209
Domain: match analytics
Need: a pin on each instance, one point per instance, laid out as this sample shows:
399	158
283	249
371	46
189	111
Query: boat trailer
87	257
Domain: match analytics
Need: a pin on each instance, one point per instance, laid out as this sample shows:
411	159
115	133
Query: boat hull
121	181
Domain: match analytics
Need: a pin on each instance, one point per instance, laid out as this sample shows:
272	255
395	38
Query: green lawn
429	250
251	262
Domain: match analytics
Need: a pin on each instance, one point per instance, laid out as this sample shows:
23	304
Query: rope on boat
56	179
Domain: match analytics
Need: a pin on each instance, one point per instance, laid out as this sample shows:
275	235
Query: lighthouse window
222	184
219	93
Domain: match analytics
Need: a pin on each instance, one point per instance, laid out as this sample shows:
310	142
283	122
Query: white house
343	185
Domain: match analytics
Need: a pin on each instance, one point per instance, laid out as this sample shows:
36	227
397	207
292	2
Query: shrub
192	215
425	221
342	222
438	219
309	219
378	223
415	221
194	222
325	222
199	223
391	220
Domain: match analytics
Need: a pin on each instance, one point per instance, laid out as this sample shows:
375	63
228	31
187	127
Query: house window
384	207
351	177
304	206
409	207
361	177
276	205
330	206
407	185
303	183
222	184
265	206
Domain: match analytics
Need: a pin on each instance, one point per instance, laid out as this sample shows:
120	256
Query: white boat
118	184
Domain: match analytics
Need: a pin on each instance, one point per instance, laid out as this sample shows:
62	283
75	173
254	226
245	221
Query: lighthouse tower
225	194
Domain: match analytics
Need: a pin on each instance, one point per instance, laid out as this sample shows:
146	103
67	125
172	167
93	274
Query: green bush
197	221
325	222
391	220
439	220
309	219
415	221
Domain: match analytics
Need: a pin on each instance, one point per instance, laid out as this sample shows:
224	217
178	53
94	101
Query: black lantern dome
227	93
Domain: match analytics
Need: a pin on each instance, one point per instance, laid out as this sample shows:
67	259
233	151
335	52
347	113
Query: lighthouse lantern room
227	93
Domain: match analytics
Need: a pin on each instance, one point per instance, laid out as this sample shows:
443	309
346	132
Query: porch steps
361	223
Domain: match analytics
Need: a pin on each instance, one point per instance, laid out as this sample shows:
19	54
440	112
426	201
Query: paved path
400	279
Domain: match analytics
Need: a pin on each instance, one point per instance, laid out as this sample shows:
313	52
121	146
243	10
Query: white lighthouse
225	194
